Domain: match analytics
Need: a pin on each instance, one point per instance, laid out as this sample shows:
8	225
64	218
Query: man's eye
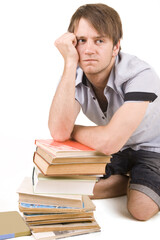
99	41
80	40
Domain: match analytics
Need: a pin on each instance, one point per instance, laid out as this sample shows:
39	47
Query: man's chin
88	69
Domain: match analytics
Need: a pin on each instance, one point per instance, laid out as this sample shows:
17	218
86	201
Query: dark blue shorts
143	168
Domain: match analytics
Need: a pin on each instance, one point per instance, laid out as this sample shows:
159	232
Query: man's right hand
66	45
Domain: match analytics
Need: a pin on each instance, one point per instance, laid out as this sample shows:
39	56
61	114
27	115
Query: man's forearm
112	137
91	136
64	108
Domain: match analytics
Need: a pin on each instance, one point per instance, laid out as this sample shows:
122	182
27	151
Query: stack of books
68	158
56	215
55	201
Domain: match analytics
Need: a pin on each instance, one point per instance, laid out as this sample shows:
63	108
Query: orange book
69	148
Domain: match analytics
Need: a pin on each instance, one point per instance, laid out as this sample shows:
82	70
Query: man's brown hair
102	17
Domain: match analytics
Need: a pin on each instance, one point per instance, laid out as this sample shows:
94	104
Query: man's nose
89	47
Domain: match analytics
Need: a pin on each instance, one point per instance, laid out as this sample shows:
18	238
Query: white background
30	67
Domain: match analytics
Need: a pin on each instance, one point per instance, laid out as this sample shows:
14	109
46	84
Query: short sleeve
143	87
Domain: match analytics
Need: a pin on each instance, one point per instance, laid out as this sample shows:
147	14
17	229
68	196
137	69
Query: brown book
68	169
65	227
53	216
12	225
50	158
65	220
43	200
36	208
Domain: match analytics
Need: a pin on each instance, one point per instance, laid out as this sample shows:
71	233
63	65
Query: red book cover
67	148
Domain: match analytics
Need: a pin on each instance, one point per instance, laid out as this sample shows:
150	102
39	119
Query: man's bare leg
114	186
140	206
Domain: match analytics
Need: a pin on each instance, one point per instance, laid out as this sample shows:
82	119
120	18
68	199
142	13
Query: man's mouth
90	60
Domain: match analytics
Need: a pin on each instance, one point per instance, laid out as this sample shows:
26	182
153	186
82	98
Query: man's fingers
66	38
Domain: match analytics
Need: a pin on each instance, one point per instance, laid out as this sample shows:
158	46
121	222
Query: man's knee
140	206
138	212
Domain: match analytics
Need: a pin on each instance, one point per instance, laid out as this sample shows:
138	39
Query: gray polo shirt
131	79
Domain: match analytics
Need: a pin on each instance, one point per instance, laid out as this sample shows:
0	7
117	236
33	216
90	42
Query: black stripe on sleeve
140	96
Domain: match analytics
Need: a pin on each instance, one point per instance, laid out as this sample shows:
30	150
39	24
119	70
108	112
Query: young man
121	95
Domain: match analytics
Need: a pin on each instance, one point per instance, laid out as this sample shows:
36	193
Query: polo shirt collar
111	82
79	76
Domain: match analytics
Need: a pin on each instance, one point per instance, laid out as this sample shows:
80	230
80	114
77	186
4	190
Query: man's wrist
71	63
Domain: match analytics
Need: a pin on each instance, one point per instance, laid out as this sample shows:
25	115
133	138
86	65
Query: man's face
95	51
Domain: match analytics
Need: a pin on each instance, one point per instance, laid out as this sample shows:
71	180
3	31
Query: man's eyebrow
101	36
96	37
79	37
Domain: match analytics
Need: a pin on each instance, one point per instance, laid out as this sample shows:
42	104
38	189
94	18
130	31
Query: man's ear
116	48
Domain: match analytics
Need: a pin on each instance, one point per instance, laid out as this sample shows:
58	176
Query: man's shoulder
125	58
128	66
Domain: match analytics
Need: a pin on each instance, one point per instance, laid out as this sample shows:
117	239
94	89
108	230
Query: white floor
111	214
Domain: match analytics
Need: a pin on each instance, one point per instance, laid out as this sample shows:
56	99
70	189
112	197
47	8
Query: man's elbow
106	150
109	148
59	135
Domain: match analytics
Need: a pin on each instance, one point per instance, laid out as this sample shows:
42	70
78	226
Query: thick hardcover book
12	225
67	148
68	169
63	185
